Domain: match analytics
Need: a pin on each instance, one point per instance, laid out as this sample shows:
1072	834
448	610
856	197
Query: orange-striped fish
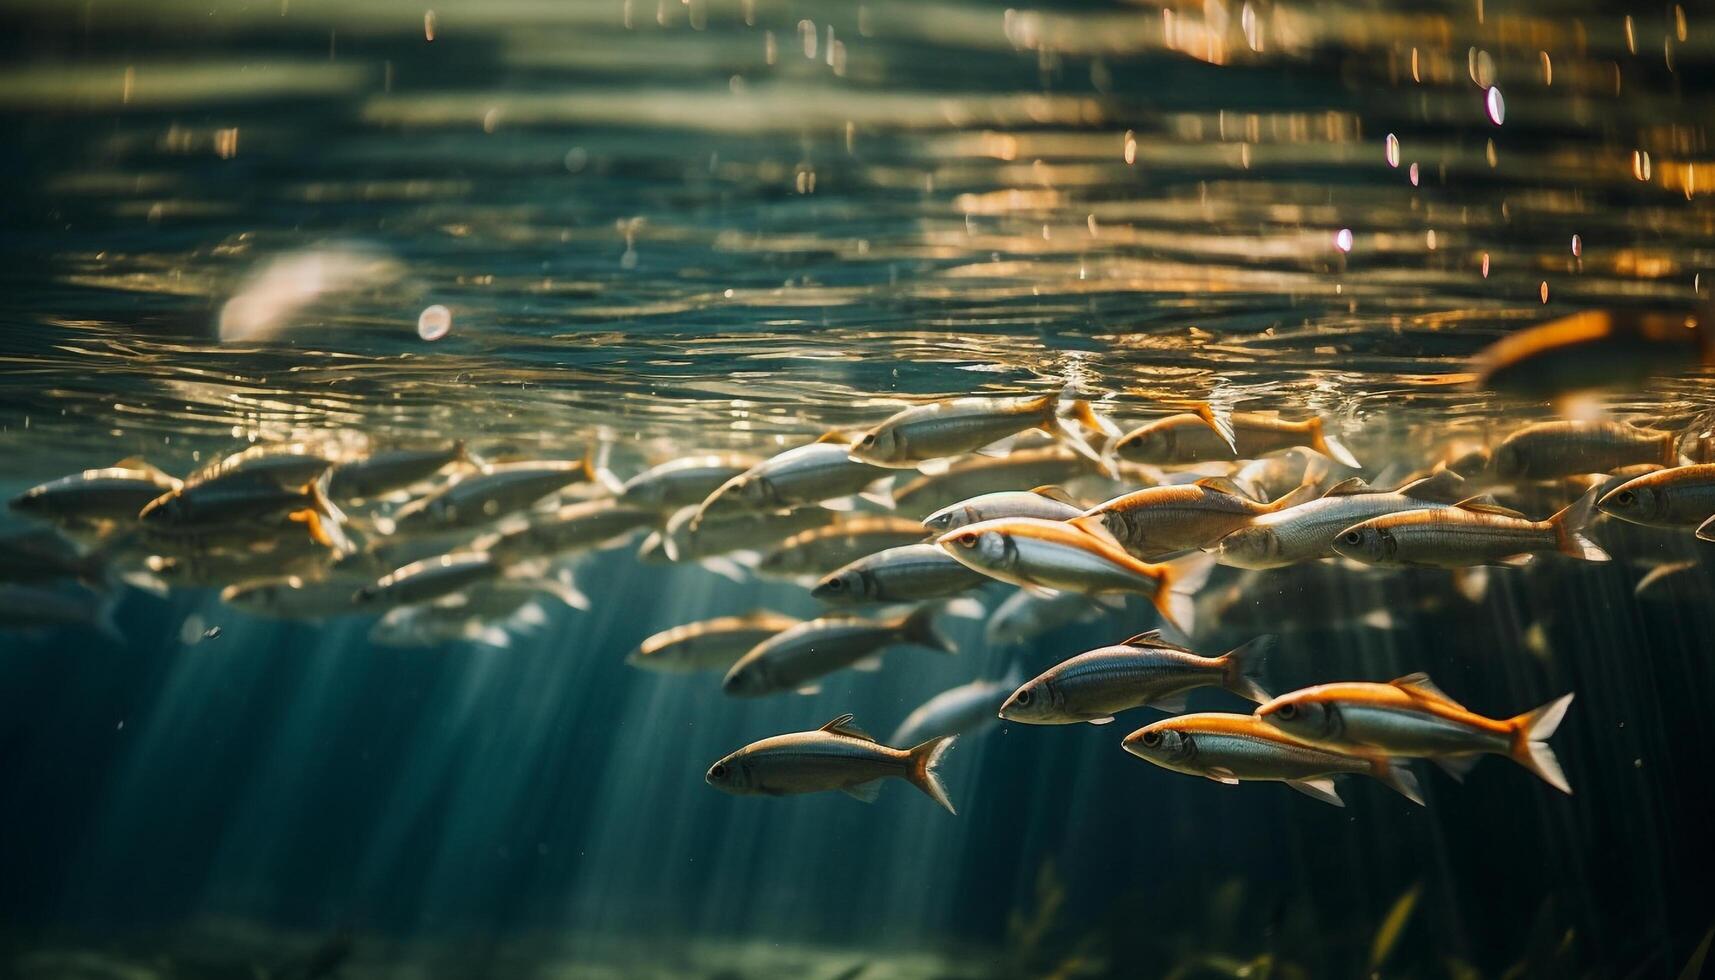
1410	716
1683	496
1051	555
956	426
1205	435
1155	522
839	755
1470	533
1570	447
1231	749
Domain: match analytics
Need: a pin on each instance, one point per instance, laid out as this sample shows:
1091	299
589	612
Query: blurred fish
819	472
28	607
938	431
712	539
1410	716
1683	496
712	644
195	566
975	475
958	711
1156	522
1144	670
1205	436
1551	450
385	472
794	658
496	491
1306	532
1026	614
1045	503
435	578
684	482
277	464
292	597
1231	749
238	499
488	615
571	529
1272	477
821	550
839	755
115	494
1051	555
904	574
1470	533
34	555
1595	349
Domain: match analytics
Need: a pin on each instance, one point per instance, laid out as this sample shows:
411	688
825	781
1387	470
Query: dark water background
655	232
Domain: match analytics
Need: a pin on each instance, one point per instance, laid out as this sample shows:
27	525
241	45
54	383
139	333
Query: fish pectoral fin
1173	704
864	792
810	689
934	467
726	568
841	504
1457	766
1040	591
1222	774
1516	561
869	664
1110	601
1320	788
1101	721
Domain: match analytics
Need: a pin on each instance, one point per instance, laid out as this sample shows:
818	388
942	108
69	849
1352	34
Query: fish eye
1024	697
1151	739
835	584
868	440
1353	537
1287	712
719	771
968	540
1624	497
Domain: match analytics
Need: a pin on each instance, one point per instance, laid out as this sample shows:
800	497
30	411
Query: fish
1411	716
1094	686
429	579
238	501
1681	496
1046	503
684	539
839	755
186	564
1027	614
1470	533
1233	748
384	472
821	550
487	614
1272	477
711	644
1306	531
796	657
570	529
1051	555
953	427
294	597
1157	522
684	482
973	476
29	607
109	495
279	464
492	493
1204	436
33	555
1569	447
960	710
821	471
907	573
1595	349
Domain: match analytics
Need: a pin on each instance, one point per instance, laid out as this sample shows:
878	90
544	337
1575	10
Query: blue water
665	229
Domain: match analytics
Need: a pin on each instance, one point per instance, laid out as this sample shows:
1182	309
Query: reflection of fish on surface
839	755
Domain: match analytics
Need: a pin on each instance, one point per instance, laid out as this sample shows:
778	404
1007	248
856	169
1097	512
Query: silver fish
1306	532
573	528
908	573
820	471
1550	450
713	644
960	710
430	579
956	426
498	490
1027	614
293	597
975	475
114	494
1469	533
1045	503
1144	670
839	755
684	482
384	472
821	550
795	658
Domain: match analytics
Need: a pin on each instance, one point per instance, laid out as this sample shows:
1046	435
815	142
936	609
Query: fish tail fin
1530	748
1243	664
1569	527
1178	583
919	628
1219	419
1706	531
1087	416
1067	432
596	471
324	520
1305	491
925	761
1396	774
1331	446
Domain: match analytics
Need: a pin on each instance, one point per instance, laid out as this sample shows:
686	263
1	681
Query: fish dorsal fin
834	435
843	725
1221	484
1419	686
1149	639
143	465
1056	494
1346	488
1485	504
